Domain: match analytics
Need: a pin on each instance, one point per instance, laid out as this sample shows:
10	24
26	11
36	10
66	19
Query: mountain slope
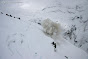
25	40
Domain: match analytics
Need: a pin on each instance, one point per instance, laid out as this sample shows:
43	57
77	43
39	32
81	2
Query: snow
24	38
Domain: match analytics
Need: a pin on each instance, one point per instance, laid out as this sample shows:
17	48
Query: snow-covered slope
25	40
21	35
